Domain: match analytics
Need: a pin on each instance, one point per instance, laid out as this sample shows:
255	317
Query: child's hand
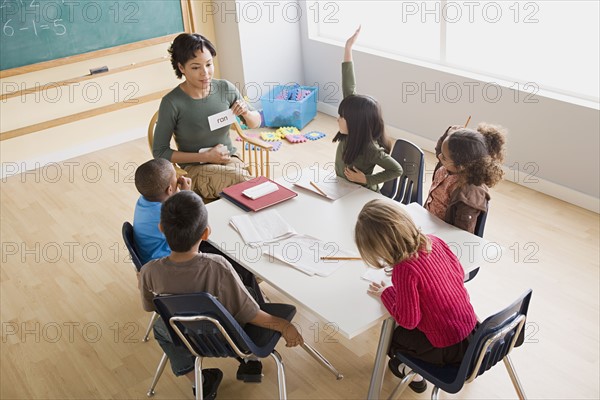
352	39
354	175
454	128
184	183
349	43
375	289
240	107
292	336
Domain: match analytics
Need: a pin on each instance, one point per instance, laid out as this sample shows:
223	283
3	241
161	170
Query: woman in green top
362	139
208	156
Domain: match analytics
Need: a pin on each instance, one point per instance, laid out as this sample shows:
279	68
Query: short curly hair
479	153
153	177
184	48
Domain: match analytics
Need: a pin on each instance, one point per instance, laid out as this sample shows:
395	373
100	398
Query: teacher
207	155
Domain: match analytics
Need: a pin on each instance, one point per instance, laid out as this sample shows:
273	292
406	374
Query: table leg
323	361
387	329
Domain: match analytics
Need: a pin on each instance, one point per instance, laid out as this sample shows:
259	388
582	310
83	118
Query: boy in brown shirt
184	222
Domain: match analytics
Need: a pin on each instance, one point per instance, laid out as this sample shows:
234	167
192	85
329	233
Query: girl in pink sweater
427	298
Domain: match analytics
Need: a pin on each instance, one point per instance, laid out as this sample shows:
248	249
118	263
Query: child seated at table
470	162
427	298
362	141
184	222
156	181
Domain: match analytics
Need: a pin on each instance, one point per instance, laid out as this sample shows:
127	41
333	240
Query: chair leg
385	338
198	378
280	375
150	325
400	387
319	357
159	370
514	378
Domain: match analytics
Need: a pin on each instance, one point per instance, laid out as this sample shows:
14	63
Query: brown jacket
466	203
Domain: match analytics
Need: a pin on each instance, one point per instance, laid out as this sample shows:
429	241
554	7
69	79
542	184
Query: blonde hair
386	235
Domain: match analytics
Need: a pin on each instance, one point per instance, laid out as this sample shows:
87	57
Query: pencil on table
468	120
316	187
341	258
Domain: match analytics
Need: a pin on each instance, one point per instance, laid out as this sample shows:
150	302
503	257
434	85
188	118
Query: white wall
259	44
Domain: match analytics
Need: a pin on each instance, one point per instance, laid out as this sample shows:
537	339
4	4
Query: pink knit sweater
428	294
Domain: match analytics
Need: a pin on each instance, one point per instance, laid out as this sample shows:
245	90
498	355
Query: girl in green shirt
363	143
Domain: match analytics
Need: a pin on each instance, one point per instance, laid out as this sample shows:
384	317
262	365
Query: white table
341	298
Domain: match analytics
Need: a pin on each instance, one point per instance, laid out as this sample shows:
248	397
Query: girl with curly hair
470	162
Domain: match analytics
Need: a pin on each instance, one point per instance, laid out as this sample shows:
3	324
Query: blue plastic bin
280	113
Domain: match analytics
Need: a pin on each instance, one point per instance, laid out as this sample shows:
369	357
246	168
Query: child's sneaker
211	378
249	371
394	364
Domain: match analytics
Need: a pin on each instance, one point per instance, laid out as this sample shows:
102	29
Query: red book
234	194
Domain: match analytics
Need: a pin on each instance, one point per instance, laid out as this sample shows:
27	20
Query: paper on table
304	253
261	190
327	181
262	227
377	275
478	249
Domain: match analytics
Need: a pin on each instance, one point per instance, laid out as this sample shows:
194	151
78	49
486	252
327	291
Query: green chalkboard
33	31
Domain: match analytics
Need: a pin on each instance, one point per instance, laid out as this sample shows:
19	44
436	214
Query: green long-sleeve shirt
372	155
186	118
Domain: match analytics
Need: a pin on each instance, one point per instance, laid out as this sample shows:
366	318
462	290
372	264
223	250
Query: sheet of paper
327	182
304	253
221	119
469	249
262	227
377	275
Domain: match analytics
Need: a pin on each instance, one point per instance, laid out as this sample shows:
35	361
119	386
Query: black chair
494	339
127	232
480	224
479	228
199	322
408	188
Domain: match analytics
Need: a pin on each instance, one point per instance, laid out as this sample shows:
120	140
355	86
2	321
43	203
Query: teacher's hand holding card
215	155
239	108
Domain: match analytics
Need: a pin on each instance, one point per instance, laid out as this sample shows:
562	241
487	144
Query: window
548	45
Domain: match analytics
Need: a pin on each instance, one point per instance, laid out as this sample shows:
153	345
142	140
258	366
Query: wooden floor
72	319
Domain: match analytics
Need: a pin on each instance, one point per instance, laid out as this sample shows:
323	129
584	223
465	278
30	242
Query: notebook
235	195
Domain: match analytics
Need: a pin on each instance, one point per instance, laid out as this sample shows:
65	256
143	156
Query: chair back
408	188
180	171
201	323
495	337
255	153
127	232
493	340
480	224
